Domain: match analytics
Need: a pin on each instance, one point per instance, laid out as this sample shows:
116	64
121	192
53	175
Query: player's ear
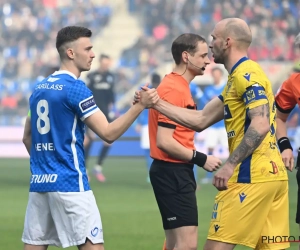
70	53
184	56
228	42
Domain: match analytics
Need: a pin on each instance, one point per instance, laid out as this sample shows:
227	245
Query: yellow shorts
252	215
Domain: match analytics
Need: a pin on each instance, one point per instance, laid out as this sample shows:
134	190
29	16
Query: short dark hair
69	34
185	42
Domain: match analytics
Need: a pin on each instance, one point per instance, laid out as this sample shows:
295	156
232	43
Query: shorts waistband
172	164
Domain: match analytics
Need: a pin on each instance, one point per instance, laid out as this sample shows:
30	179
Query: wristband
284	143
198	158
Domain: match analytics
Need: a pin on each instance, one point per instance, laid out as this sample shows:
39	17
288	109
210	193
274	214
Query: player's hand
220	180
212	163
148	98
288	159
137	96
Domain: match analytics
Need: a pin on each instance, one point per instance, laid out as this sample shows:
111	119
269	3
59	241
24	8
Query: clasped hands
146	96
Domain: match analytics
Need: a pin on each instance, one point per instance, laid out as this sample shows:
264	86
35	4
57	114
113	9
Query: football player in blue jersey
61	209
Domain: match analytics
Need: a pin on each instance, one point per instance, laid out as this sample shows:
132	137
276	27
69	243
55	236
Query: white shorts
62	219
216	137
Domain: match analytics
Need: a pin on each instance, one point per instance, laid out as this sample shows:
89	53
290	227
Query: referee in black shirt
101	83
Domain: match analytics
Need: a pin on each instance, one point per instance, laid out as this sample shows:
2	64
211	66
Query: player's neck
71	69
233	59
182	70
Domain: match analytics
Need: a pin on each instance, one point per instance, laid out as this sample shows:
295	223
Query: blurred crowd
274	24
27	42
29	27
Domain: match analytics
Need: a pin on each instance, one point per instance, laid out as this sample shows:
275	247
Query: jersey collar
243	59
64	72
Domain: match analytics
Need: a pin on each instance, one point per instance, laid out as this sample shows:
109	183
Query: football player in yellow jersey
251	208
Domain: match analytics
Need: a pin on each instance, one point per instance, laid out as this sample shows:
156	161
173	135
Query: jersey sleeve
285	101
81	100
221	96
250	88
173	97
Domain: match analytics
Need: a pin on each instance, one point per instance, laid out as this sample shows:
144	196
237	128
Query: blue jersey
58	106
209	93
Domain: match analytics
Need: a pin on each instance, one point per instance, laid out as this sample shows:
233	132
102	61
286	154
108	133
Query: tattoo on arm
252	139
263	111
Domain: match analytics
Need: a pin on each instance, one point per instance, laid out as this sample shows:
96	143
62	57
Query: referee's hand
212	163
288	159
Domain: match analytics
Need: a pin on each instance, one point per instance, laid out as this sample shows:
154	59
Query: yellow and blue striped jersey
248	87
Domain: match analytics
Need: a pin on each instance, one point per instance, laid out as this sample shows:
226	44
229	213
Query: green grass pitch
127	205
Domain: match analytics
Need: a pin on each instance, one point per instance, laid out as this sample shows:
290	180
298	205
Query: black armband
284	143
198	158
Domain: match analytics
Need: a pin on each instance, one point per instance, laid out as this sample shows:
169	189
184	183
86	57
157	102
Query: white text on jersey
49	86
44	146
44	178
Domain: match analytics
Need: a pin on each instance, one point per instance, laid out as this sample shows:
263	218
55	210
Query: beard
218	59
219	56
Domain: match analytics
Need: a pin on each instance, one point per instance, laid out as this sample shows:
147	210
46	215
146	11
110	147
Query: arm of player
281	135
110	132
27	135
256	132
82	102
257	124
193	119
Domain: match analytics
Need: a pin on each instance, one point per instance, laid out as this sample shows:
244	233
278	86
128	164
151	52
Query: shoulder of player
249	71
77	84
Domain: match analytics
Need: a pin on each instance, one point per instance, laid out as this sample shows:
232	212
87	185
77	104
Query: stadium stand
137	34
27	42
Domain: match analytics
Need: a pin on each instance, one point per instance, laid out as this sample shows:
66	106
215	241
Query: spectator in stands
27	32
29	27
273	24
